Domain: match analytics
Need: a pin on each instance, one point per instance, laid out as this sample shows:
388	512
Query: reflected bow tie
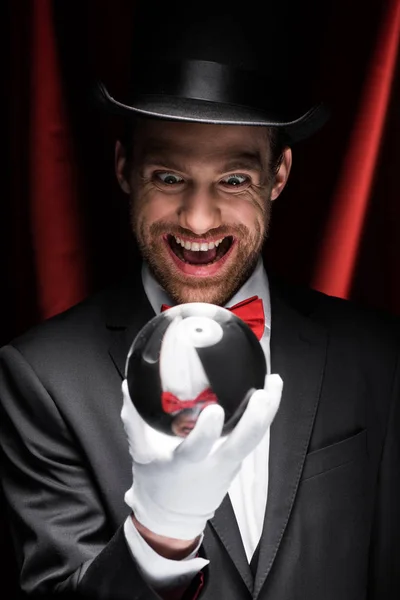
251	311
170	403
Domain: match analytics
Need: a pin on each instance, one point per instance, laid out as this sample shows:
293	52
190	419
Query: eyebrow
244	160
174	158
163	160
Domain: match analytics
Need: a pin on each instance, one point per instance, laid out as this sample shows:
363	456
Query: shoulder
80	330
346	319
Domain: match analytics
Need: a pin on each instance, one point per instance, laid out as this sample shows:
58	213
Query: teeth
196	247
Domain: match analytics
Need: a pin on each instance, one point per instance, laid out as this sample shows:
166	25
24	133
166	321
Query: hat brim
294	128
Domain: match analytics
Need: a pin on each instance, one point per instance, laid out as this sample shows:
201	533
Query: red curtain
334	270
65	228
56	229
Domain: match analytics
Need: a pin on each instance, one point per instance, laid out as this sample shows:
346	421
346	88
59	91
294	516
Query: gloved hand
178	485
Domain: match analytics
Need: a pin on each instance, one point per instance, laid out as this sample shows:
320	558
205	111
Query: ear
282	175
120	165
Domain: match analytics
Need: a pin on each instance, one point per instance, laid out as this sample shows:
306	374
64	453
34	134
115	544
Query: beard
216	289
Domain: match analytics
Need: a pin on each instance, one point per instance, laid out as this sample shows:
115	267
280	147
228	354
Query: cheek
149	207
249	211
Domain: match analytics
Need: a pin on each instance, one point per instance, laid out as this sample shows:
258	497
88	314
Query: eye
235	180
168	178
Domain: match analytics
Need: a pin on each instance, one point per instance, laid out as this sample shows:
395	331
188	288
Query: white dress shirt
248	491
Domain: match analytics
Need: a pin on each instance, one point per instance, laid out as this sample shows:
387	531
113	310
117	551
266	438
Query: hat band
203	80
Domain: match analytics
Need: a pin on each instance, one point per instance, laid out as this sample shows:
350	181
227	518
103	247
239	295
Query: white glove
178	485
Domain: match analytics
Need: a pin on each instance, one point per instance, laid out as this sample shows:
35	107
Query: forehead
199	140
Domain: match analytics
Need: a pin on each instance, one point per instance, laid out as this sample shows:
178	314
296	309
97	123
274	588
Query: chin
214	293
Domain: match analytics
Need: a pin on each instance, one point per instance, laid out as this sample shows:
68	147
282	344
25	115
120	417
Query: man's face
201	197
185	420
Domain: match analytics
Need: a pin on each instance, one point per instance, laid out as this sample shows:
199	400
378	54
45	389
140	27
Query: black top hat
210	67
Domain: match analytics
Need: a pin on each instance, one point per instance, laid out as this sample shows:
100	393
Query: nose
199	211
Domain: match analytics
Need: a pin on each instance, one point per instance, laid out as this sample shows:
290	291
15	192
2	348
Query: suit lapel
129	310
298	349
225	525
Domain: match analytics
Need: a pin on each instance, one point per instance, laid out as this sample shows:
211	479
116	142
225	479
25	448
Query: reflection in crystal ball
188	357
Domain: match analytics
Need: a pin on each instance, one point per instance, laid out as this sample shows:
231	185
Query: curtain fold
337	260
56	228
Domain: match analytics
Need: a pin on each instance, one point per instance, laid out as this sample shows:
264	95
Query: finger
254	423
202	438
133	424
274	385
130	417
141	448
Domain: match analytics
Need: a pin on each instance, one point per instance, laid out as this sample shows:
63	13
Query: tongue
200	257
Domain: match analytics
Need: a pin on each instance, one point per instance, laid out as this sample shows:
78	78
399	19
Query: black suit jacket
331	528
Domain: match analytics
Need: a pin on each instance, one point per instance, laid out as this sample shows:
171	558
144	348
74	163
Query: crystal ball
188	357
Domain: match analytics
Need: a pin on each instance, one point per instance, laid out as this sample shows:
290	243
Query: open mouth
199	253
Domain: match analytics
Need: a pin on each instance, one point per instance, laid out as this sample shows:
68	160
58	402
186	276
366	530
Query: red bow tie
251	311
171	403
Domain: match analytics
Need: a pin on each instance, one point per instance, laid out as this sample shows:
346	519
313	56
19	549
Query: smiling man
301	500
200	212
